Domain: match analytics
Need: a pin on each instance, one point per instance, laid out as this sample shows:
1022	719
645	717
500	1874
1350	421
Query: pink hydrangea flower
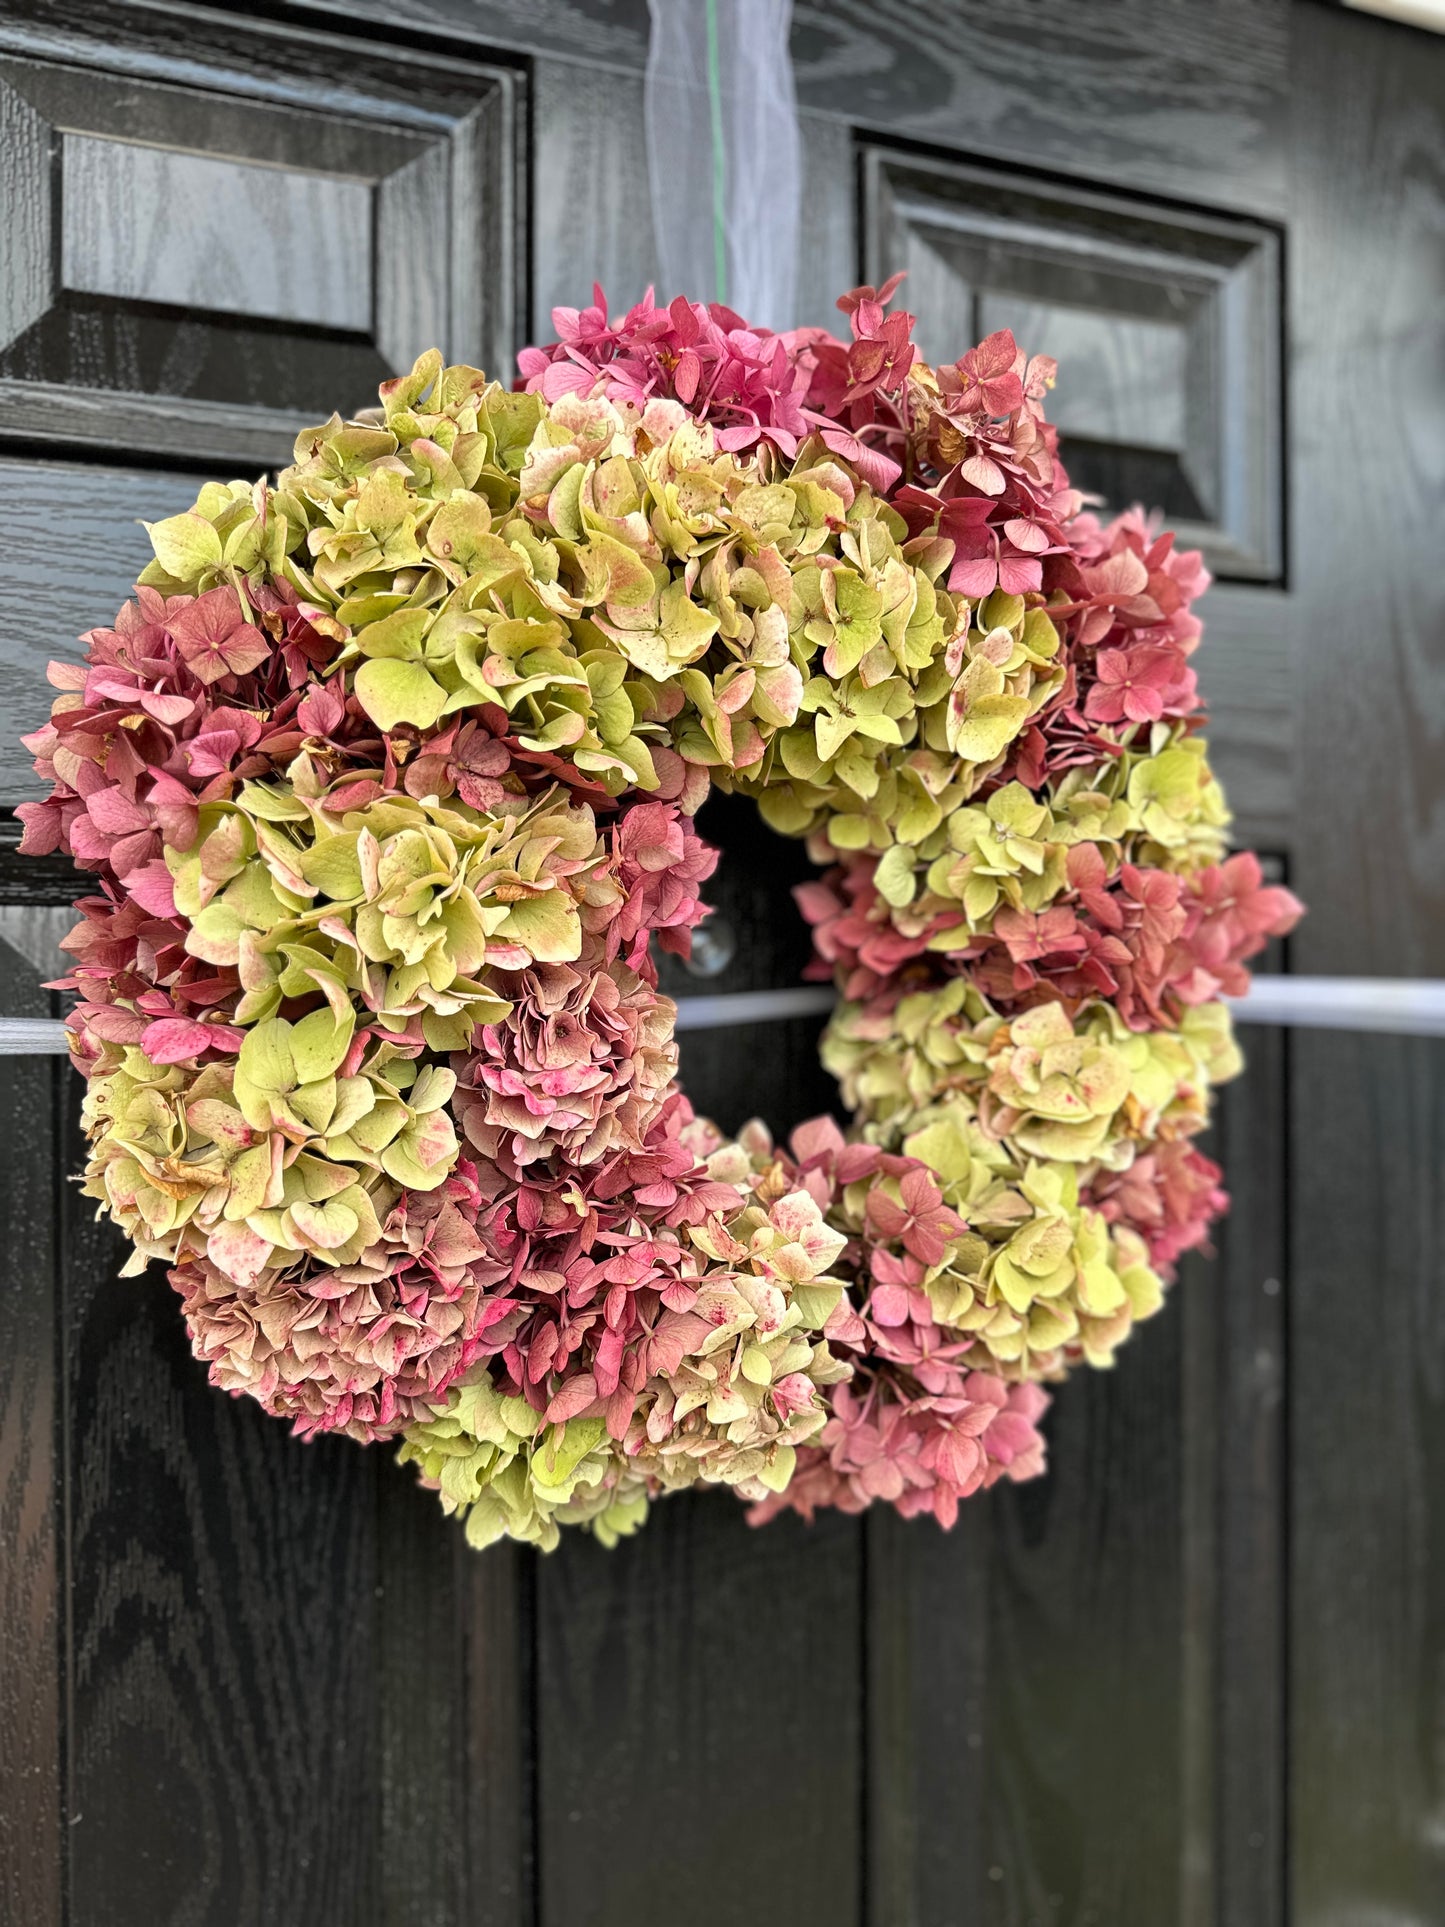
745	381
364	1348
580	1066
660	862
920	1452
1170	1196
1140	685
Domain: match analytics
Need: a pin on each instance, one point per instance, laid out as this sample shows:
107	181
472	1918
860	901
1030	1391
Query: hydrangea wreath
387	775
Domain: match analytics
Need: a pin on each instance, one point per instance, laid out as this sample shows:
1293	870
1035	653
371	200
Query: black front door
1194	1676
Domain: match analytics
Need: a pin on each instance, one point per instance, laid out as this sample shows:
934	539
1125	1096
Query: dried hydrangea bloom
582	1062
738	1376
1047	911
396	906
494	1462
295	1147
1169	1196
618	580
365	1347
1005	1263
1086	1090
679	1353
660	864
1042	1280
918	1424
922	1452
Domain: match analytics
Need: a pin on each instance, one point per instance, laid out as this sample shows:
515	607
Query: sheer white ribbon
724	154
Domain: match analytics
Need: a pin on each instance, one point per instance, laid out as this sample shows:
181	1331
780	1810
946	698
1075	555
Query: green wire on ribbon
719	159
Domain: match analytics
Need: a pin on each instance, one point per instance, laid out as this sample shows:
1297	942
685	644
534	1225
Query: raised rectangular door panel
220	232
1165	322
232	236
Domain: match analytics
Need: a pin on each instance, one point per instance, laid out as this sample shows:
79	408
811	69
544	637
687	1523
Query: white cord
753	1007
1409	1007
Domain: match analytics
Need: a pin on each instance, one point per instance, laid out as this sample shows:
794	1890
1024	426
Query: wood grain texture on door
219	231
1134	93
33	1575
1192	1679
1367	1313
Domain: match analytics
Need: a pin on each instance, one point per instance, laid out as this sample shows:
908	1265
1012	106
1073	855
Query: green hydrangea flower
1038	1280
1015	1117
1082	1090
394	907
916	700
279	1155
495	1462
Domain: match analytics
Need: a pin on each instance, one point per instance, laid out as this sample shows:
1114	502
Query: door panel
1165	323
219	233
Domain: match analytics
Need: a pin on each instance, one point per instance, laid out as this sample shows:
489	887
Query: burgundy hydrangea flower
988	377
1150	941
989	475
597	1274
468	760
1233	914
214	636
364	1348
659	862
1170	1196
1132	577
581	1065
854	935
